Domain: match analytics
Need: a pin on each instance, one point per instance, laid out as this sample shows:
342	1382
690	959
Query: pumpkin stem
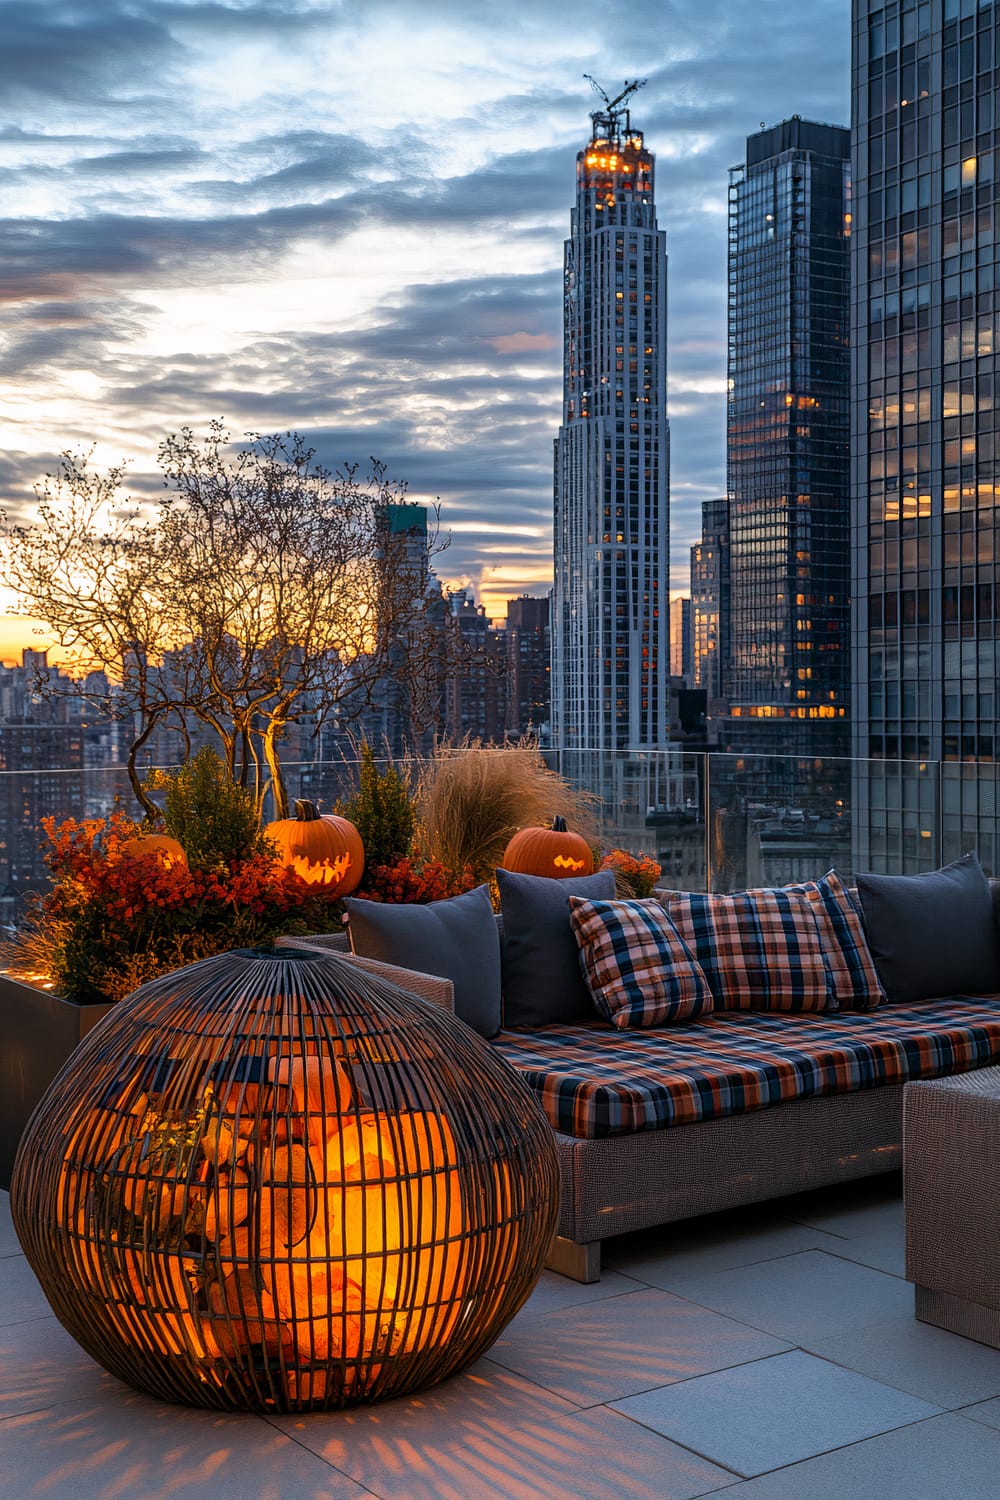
559	824
306	812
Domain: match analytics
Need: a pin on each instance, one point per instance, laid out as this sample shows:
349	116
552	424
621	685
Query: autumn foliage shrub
635	874
381	810
414	878
212	817
112	920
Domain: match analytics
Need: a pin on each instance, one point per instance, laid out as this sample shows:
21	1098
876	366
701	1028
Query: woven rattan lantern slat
274	1181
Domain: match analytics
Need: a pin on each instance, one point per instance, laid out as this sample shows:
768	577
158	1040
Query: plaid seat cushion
759	950
593	1082
854	981
636	965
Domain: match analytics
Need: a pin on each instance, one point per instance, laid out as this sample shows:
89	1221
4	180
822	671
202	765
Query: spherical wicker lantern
273	1181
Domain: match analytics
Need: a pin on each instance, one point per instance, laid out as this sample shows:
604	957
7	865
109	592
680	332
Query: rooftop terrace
771	1353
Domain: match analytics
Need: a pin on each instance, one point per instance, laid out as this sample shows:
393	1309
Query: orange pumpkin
167	850
323	850
554	852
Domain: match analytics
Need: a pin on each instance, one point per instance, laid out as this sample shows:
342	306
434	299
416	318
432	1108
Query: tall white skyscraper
610	624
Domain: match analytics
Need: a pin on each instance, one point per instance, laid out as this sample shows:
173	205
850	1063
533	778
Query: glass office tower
925	486
610	615
710	603
787	443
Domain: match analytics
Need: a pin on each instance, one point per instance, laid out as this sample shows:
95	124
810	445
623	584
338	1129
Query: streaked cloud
348	218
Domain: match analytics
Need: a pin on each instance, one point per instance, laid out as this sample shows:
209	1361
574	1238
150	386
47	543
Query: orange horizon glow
19	633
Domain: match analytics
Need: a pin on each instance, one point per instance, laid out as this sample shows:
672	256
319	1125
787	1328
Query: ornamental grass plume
471	801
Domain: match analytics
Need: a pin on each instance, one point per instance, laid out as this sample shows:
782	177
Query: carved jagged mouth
323	872
563	862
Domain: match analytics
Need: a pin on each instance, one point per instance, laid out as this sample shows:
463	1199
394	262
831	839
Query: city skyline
288	215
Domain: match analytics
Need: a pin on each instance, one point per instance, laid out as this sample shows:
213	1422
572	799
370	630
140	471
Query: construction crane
606	119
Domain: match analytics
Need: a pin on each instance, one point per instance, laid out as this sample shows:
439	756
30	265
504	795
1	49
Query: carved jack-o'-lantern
554	852
322	849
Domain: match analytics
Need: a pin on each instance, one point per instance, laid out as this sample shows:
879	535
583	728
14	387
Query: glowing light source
278	1183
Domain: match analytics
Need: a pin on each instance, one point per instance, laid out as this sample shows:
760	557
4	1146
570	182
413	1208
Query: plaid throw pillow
854	981
759	950
635	964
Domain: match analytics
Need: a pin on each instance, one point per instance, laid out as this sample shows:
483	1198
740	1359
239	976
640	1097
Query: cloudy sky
347	216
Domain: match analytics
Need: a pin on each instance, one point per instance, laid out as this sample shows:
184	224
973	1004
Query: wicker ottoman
951	1185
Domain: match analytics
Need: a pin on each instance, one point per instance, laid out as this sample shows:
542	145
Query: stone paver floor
771	1353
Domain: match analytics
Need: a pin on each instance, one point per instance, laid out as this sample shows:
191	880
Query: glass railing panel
648	802
771	820
713	821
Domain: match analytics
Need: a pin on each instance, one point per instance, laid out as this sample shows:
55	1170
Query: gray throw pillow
456	939
932	935
542	982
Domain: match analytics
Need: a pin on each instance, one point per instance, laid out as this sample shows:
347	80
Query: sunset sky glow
348	218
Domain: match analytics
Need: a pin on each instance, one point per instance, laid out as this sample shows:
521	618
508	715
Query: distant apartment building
392	714
475	687
681	641
529	698
787	443
403	711
925	443
710	604
610	625
41	772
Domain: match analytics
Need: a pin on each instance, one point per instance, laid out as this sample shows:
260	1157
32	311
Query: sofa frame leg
578	1262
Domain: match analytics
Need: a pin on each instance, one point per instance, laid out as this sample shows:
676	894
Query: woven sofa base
951	1186
629	1182
958	1315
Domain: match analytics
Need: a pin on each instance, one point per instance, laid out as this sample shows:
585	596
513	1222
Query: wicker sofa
630	1156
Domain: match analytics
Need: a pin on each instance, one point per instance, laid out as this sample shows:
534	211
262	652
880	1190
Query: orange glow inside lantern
297	1222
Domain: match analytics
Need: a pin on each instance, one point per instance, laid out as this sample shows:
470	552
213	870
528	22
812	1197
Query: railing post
706	798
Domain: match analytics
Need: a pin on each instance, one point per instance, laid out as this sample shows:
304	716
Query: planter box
39	1030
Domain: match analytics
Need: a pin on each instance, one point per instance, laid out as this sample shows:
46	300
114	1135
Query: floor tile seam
878	1379
742	1265
525	1312
573	1408
855	1233
686	1447
161	1403
669	1385
764	1473
33	1411
48	1316
268	1418
739	1322
611	1262
534	1423
968	1411
839	1255
803	1250
843	1447
71	1401
493	1359
943	1407
833	1233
